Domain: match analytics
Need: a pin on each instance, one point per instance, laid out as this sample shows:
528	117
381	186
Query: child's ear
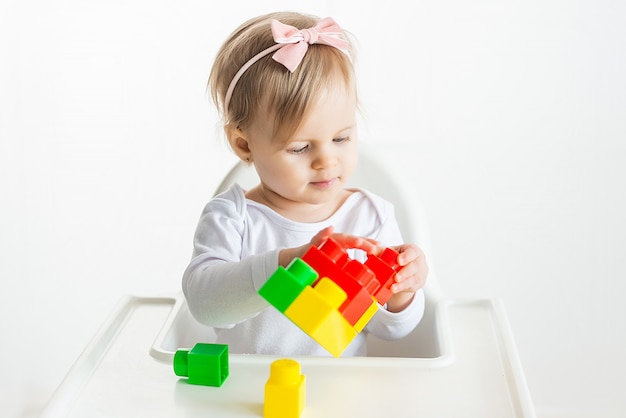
239	143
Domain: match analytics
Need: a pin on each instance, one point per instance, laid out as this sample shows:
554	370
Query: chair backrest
373	175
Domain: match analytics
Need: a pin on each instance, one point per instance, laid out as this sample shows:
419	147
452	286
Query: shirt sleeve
220	287
394	325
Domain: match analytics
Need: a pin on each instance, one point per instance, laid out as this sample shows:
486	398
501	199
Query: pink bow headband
291	46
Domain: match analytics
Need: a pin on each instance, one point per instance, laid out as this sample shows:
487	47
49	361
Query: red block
390	256
384	267
359	298
363	275
323	264
335	252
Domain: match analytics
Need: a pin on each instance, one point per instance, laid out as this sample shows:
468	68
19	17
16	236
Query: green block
284	286
204	364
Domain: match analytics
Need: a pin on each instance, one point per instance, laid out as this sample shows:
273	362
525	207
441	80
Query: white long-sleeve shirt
236	248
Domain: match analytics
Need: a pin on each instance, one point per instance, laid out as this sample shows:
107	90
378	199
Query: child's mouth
324	184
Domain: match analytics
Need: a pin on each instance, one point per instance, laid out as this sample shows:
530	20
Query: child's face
308	173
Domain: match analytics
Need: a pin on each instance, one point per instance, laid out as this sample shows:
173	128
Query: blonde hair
287	96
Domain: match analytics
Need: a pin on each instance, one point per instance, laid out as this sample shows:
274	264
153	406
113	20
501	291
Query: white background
508	116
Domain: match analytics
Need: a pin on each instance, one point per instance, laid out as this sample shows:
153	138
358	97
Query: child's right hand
346	241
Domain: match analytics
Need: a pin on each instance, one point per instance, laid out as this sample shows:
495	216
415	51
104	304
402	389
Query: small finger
408	253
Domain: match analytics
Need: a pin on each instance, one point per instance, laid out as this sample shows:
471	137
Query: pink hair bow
296	41
291	46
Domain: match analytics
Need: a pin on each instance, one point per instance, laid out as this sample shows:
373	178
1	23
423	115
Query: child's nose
324	158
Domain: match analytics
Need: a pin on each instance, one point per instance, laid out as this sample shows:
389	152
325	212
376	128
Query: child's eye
342	139
298	150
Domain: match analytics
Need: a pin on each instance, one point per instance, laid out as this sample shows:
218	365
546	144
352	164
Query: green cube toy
204	364
284	286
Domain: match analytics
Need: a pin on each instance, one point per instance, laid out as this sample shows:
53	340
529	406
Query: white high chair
460	361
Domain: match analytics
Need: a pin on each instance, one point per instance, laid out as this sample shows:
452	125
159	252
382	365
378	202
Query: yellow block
285	390
316	312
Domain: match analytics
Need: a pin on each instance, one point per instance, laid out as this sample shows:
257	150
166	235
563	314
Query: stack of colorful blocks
330	296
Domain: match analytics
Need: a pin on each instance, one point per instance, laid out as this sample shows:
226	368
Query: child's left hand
410	278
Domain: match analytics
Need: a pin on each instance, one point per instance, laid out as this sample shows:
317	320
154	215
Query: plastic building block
335	252
365	318
384	267
204	364
359	283
327	261
363	275
390	257
284	286
315	311
285	390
